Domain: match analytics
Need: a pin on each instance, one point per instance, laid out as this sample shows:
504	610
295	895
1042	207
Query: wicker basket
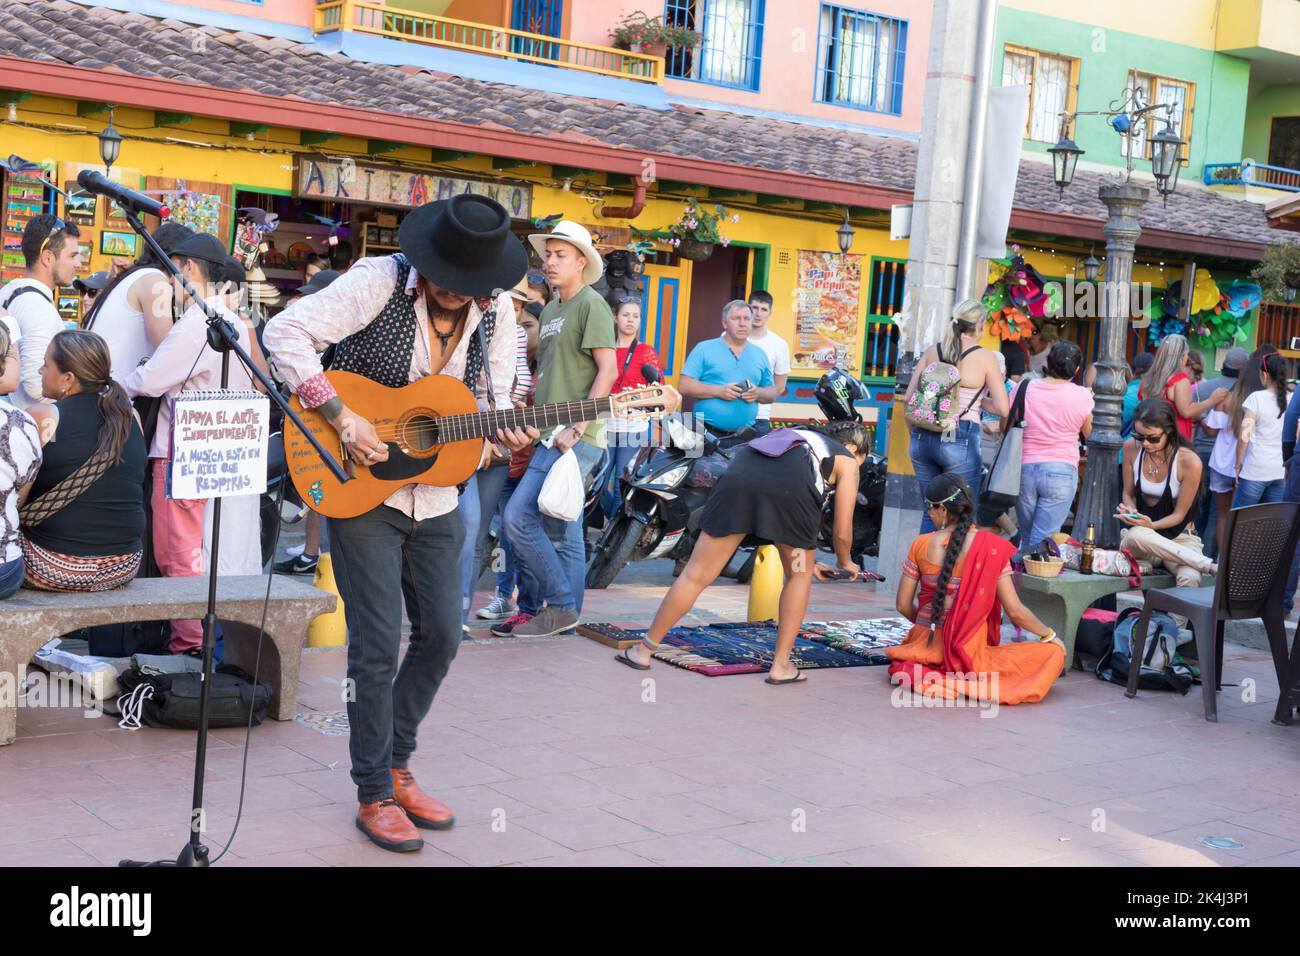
1049	568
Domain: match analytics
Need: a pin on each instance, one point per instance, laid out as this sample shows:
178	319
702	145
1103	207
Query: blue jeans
622	449
933	456
478	504
510	576
11	576
380	559
552	554
762	426
1046	493
1258	492
1292	493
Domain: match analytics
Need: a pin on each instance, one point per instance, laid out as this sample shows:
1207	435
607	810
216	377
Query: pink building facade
860	63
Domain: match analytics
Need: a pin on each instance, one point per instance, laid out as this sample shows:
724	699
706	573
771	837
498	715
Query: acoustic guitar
435	435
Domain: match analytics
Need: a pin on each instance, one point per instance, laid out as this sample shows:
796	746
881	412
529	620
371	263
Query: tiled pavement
553	754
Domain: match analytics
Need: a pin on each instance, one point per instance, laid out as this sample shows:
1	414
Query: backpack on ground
933	405
1162	666
172	699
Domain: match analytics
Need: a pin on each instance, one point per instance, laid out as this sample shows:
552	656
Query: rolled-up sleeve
346	306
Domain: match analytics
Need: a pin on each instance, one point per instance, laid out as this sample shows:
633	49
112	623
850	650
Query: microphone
129	199
650	373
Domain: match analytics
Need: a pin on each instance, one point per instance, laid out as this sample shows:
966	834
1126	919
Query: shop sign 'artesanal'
347	181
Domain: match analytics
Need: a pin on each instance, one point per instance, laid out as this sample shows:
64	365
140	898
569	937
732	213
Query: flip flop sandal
622	658
797	679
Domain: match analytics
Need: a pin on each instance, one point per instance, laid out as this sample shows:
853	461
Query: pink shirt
1054	413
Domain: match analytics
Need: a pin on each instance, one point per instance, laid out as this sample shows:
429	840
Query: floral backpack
933	406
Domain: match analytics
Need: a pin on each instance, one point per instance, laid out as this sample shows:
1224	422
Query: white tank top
1155	489
122	326
819	451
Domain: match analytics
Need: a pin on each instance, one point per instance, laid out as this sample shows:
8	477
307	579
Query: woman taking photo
773	493
1162	475
982	386
1057	412
84	516
626	437
1169	379
1257	423
956	582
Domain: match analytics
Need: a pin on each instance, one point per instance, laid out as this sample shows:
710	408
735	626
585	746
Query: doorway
715	282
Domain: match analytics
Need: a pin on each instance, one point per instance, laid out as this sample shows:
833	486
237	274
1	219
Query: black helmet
836	393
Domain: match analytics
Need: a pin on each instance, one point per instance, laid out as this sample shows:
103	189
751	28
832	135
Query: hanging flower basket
695	250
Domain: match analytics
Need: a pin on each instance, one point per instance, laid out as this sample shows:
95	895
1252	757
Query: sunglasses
58	227
1148	438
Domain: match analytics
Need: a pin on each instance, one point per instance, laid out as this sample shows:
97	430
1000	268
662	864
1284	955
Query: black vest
382	350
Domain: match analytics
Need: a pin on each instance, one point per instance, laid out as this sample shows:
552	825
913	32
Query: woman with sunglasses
956	582
1162	476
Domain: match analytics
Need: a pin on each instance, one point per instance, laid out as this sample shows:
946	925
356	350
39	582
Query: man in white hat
575	361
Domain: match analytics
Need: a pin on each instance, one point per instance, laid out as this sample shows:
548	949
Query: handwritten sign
219	444
353	182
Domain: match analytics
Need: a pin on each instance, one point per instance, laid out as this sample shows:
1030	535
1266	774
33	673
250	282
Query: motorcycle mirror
651	374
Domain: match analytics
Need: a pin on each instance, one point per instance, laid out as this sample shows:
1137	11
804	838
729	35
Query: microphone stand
223	338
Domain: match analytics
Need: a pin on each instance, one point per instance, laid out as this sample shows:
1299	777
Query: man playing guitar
396	319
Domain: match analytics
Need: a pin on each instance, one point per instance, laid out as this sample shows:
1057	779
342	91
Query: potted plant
1279	271
698	231
641	33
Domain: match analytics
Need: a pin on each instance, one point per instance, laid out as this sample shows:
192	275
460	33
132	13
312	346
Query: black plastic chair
1255	558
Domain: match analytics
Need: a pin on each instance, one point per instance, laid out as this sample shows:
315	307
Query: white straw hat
578	236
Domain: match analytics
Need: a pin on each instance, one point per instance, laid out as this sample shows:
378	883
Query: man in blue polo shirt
729	376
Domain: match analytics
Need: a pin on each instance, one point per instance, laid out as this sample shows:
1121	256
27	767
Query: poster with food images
827	307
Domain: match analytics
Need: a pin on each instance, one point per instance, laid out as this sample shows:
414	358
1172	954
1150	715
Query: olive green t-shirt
568	333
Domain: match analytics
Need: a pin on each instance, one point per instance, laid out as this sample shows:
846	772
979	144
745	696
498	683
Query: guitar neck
541	417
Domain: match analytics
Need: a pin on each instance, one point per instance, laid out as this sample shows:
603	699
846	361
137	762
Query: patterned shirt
20	460
351	303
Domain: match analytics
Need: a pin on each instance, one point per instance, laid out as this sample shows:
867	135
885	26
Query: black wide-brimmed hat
464	244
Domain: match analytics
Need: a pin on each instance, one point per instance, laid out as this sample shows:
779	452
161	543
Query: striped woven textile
52	571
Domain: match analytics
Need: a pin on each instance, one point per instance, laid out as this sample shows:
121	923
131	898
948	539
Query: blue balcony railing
1248	173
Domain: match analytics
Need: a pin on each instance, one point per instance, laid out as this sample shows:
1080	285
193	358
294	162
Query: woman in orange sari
952	649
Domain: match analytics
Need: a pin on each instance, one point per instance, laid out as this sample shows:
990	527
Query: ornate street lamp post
1123	199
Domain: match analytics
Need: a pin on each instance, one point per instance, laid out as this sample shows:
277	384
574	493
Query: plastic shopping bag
562	492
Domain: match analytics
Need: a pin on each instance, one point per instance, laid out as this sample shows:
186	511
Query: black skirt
770	500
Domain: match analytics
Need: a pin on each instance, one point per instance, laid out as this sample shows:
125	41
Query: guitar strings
455	425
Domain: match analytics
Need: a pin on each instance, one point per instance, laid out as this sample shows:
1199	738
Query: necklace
1151	465
434	314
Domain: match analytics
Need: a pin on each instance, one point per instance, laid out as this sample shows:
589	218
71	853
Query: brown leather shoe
423	810
388	826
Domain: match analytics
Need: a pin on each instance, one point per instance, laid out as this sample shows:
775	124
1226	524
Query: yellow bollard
765	586
328	630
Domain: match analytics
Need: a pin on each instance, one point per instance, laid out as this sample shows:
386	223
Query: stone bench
31	619
1059	602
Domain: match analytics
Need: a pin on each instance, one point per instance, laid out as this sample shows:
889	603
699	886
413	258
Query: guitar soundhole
420	433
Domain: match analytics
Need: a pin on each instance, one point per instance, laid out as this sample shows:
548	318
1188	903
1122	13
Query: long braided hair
949	492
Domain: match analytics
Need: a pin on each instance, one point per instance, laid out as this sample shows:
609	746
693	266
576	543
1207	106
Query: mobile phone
1130	515
746	385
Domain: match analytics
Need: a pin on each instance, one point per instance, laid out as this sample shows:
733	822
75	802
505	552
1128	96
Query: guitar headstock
645	403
